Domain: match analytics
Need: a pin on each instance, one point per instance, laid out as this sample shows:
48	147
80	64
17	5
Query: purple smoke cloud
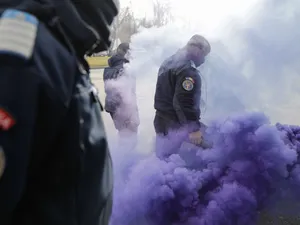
226	185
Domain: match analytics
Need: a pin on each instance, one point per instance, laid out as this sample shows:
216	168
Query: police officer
55	167
120	100
116	63
114	71
177	97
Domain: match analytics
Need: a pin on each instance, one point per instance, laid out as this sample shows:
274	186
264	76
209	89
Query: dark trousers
122	124
169	136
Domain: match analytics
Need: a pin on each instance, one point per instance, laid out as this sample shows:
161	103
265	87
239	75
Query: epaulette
18	31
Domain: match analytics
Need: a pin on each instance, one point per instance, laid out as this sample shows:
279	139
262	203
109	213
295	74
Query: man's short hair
123	48
200	42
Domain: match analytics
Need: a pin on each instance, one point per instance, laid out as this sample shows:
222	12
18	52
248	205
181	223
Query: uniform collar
193	64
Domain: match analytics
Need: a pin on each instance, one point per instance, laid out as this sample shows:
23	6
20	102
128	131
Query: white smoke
254	65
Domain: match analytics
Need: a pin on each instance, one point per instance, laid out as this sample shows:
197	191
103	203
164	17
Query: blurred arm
186	101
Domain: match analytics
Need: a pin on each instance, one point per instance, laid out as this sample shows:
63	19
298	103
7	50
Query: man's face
127	55
200	56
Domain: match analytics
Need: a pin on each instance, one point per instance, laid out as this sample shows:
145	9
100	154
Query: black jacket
113	98
58	166
115	66
178	93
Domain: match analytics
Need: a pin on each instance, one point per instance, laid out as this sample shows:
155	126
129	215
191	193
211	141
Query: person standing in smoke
120	100
177	98
55	165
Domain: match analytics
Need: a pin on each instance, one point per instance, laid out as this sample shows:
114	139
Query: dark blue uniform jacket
58	169
177	96
115	70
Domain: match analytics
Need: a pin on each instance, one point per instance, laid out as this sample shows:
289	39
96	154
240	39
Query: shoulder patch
191	79
188	84
2	161
6	120
18	31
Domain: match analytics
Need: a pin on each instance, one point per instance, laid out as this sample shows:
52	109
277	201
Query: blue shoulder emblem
18	31
188	84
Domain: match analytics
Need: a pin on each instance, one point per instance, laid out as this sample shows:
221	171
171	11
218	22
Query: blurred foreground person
177	98
120	101
55	167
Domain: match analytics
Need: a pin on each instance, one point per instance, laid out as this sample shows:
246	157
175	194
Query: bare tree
125	25
128	26
161	13
144	22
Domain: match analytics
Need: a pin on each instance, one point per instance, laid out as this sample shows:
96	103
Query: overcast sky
209	14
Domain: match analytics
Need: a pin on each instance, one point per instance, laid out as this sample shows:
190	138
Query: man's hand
196	137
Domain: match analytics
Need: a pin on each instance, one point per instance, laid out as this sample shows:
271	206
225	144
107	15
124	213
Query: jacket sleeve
18	103
186	100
